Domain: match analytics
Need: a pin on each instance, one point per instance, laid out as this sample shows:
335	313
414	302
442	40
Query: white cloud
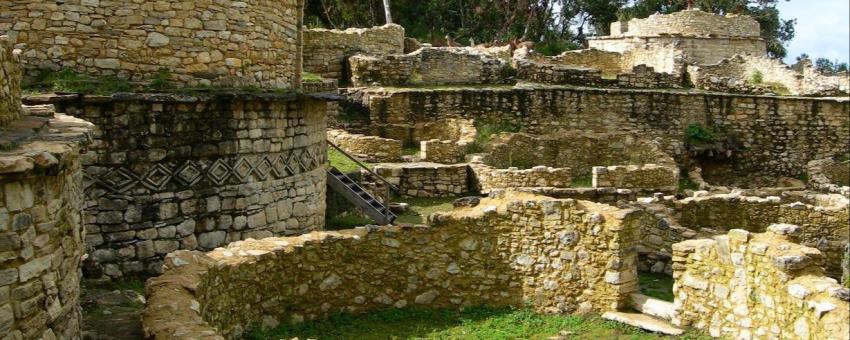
823	28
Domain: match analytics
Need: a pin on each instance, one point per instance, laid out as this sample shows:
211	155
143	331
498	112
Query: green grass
485	132
347	221
420	208
137	285
342	163
471	323
659	286
308	76
582	182
410	150
67	80
685	183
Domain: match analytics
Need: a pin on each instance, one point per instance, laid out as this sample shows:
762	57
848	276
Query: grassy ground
659	286
472	323
420	208
347	221
582	182
339	161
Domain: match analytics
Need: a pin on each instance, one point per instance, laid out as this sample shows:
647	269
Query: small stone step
643	321
651	306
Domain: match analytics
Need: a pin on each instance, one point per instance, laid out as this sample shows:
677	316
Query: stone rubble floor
112	310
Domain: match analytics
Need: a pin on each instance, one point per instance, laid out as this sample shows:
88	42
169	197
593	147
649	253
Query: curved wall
169	172
251	42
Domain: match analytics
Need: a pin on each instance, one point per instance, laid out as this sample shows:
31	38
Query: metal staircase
355	194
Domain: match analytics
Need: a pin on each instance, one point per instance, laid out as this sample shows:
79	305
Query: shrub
756	78
161	80
696	133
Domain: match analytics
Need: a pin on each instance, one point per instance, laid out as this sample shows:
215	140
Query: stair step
643	321
652	306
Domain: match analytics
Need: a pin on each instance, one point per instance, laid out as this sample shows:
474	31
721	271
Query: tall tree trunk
387	12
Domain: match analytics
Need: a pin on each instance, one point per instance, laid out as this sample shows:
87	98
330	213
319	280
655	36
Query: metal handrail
389	185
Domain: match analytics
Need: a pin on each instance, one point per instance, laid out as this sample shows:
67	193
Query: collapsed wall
229	43
326	51
553	255
41	229
429	66
744	285
776	136
760	74
823	221
172	171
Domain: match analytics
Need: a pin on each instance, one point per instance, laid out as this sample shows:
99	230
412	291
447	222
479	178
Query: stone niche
168	172
229	43
556	256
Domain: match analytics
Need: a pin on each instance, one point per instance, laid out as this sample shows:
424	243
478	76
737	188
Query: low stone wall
41	228
744	285
764	127
830	176
426	179
368	148
578	150
824	221
428	66
10	83
647	176
228	43
640	77
488	178
666	52
326	51
556	256
442	151
168	172
760	74
691	22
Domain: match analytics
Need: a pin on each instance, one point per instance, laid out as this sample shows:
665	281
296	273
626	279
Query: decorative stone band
218	172
526	250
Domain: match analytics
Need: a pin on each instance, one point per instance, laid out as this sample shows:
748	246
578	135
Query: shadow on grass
471	323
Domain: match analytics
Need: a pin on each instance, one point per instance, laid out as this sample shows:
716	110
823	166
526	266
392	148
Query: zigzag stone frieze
220	171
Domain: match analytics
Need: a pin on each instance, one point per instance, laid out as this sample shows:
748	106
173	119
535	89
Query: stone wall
442	151
428	66
41	229
579	150
823	221
425	179
777	136
256	42
689	23
10	83
695	50
664	59
829	175
751	74
368	148
488	178
641	77
556	256
646	176
169	172
745	285
326	51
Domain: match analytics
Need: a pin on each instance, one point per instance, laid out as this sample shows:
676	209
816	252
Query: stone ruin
579	159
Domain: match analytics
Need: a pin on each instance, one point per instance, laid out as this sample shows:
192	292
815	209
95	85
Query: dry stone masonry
368	148
429	66
326	51
41	228
230	43
757	286
552	255
169	172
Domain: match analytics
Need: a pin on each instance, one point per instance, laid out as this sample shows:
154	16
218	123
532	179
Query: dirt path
112	310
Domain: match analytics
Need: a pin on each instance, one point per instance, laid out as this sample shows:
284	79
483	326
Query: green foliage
698	134
582	182
486	130
507	71
685	183
555	47
470	323
67	80
827	66
161	80
658	286
756	78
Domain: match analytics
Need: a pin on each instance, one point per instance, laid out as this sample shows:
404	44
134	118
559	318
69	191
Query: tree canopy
555	25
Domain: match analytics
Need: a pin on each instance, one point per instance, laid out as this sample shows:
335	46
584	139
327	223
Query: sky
823	28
